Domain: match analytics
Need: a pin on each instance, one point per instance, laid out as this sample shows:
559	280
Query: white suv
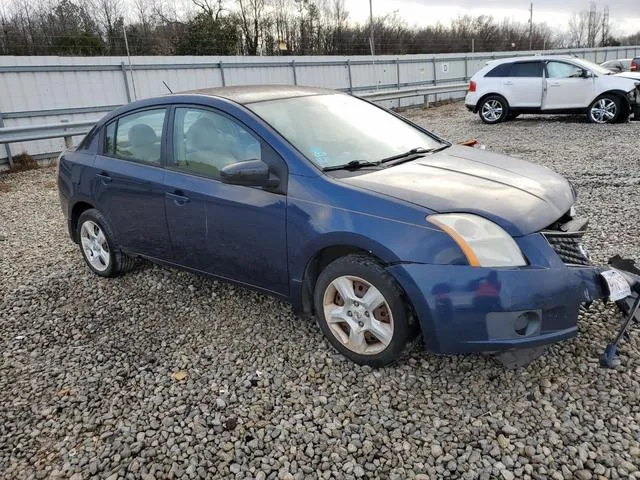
505	88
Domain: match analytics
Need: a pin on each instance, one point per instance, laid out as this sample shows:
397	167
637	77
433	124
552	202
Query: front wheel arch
623	103
321	260
317	263
363	266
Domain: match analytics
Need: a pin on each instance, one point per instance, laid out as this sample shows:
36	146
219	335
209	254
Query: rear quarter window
89	143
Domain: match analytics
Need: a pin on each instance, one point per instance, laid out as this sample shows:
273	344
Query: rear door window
526	69
137	136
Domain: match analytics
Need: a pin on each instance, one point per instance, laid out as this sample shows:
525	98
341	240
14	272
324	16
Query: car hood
630	75
518	195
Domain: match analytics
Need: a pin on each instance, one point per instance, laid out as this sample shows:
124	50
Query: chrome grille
568	246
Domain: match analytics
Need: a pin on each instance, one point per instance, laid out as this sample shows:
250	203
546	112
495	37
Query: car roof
530	58
259	93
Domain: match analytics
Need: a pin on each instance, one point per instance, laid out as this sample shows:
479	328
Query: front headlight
484	243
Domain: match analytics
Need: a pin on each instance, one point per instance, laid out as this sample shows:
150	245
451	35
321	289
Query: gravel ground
91	378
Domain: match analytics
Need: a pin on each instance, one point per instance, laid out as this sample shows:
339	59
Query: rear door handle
178	198
104	176
508	83
555	84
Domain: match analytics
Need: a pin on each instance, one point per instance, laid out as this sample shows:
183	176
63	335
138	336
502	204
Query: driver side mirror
252	173
586	74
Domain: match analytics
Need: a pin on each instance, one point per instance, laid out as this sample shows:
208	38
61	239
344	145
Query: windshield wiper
352	165
413	154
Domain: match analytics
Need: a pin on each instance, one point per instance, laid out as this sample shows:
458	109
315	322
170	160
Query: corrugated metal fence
42	90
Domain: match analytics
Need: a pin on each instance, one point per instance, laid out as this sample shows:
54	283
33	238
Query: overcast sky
625	14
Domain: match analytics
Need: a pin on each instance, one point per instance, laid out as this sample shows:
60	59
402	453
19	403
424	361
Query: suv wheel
361	311
493	109
98	246
604	109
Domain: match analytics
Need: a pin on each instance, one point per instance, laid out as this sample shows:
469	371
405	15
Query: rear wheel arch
492	94
78	209
498	99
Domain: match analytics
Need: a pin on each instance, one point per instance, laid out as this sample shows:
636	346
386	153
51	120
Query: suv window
526	69
137	136
204	142
563	70
501	70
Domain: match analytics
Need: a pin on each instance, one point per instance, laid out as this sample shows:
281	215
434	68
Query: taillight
634	66
472	86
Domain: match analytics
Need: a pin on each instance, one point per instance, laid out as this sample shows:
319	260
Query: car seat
142	140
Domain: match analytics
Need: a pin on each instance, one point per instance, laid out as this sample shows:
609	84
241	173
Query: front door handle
555	84
508	83
104	176
178	197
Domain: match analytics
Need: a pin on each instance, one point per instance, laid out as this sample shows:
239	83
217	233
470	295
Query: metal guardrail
26	133
415	92
67	130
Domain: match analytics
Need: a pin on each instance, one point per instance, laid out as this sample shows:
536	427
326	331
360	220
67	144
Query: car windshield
594	67
335	129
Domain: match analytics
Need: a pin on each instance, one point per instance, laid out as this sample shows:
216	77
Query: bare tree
110	16
251	22
577	33
594	25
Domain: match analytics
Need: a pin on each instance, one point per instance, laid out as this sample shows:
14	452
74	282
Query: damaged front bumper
634	102
468	309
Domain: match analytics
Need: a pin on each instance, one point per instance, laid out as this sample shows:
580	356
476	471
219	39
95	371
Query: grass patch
23	162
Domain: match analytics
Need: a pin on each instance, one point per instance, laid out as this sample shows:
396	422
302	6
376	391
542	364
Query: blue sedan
376	227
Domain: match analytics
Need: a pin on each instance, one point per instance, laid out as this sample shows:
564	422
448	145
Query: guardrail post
224	81
350	77
466	68
398	72
7	148
295	75
435	80
126	82
68	141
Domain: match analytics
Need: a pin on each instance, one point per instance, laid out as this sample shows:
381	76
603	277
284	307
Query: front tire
604	109
493	109
361	311
98	246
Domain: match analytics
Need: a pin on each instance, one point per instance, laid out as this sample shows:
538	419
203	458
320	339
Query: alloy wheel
358	315
603	111
95	245
492	110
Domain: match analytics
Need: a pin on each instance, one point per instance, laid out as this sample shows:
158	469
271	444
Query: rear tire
493	109
362	311
98	246
604	109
